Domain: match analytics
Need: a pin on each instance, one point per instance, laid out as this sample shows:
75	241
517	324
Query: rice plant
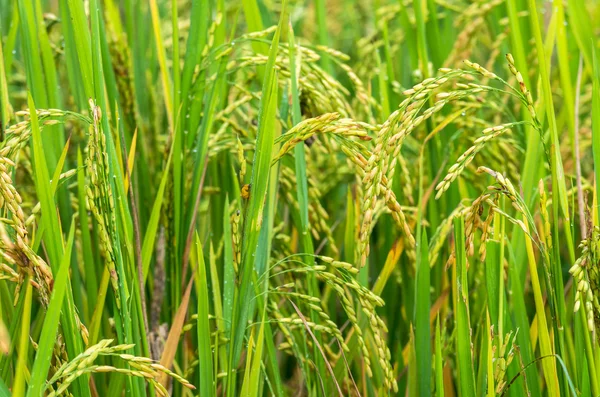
299	198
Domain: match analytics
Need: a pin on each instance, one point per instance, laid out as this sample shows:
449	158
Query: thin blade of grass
207	388
43	357
6	112
4	391
466	374
131	160
162	61
152	227
439	367
421	320
259	181
21	371
596	121
255	377
549	366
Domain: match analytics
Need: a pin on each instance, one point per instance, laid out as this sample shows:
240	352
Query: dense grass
341	197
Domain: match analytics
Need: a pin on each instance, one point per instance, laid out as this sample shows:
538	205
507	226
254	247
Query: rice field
299	198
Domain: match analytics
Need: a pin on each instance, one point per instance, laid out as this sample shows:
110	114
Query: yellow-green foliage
303	198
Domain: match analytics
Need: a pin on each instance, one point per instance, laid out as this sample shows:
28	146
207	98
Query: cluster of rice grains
84	363
339	277
503	354
100	200
353	143
20	262
375	151
586	275
330	126
423	101
18	252
15	247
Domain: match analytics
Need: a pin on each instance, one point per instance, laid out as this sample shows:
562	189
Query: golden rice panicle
522	87
236	235
507	188
503	357
486	227
85	363
586	275
19	252
388	144
99	195
17	135
211	34
547	231
467	157
348	306
584	295
480	69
